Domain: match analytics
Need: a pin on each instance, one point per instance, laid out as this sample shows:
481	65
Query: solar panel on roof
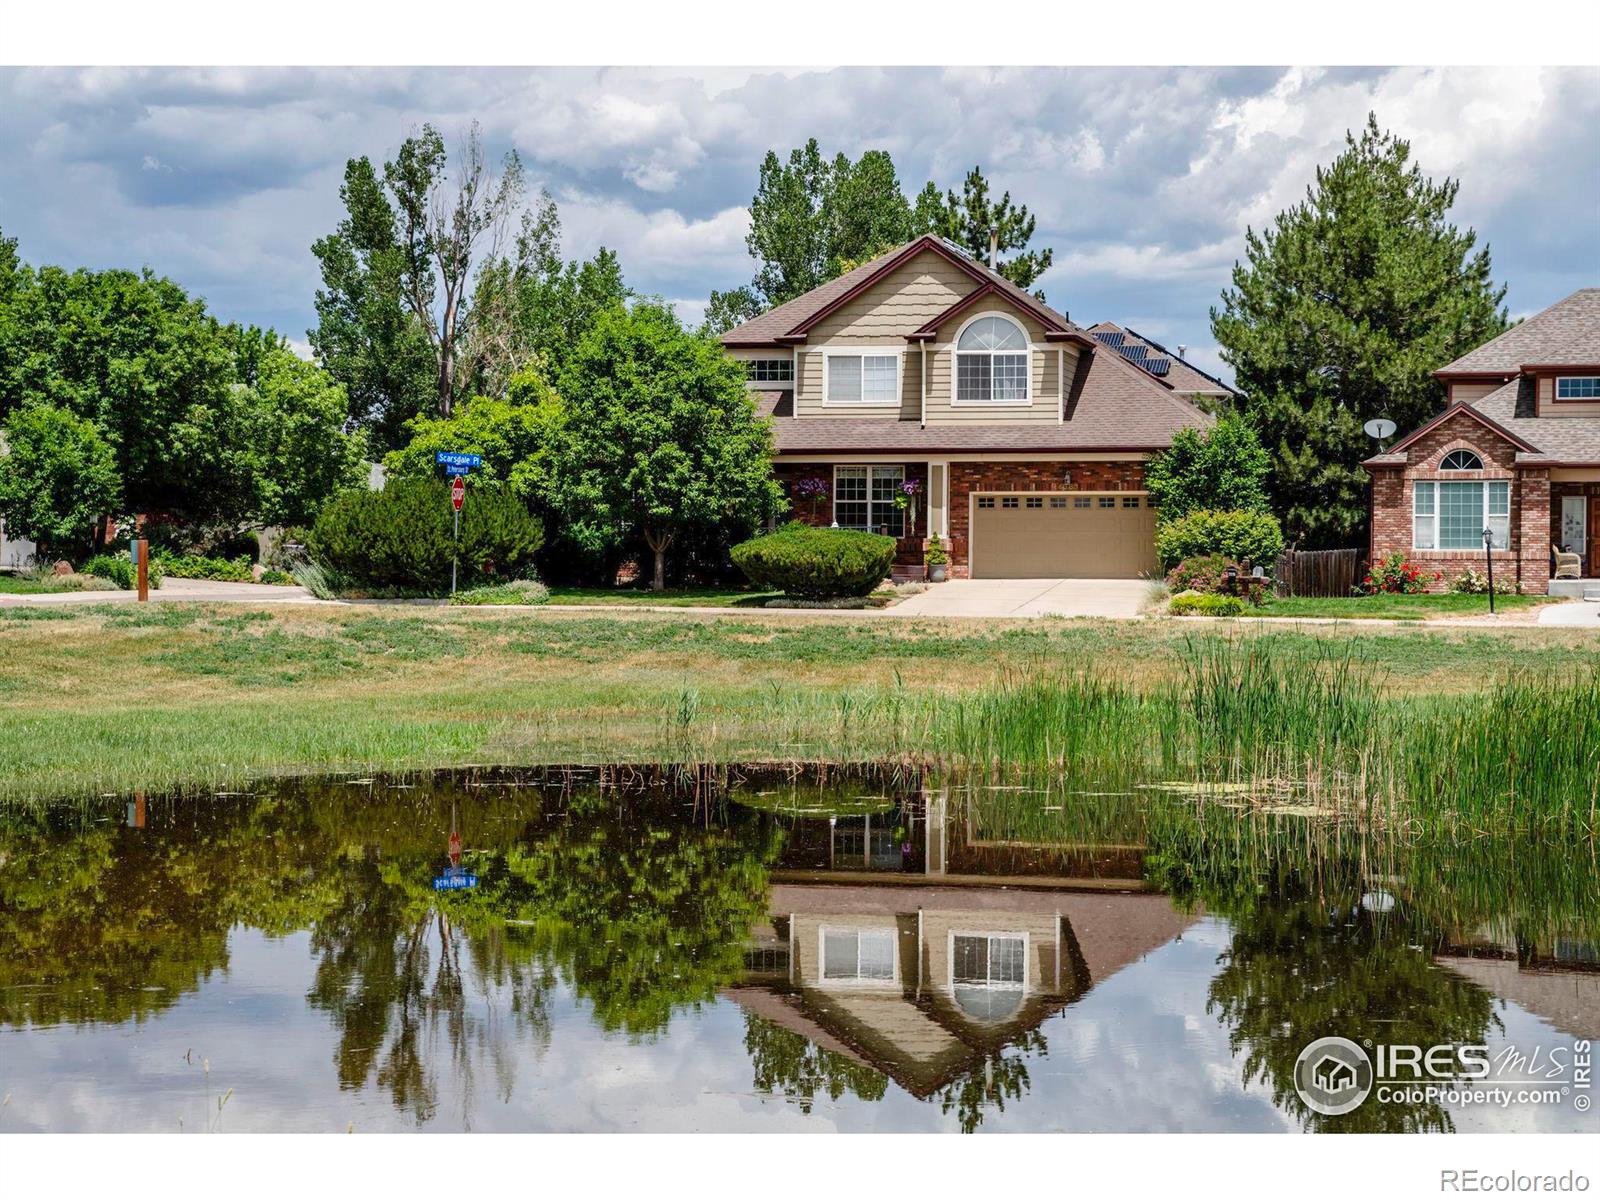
1110	337
1158	366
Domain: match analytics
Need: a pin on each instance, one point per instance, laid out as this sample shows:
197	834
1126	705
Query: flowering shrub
1202	573
1472	582
1397	575
811	488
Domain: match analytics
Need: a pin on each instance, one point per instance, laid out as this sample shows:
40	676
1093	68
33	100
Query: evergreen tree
968	220
1342	312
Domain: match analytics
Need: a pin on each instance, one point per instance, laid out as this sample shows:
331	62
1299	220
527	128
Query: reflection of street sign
455	879
455	848
458	462
1379	427
458	493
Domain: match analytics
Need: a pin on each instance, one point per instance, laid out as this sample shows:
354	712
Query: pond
850	948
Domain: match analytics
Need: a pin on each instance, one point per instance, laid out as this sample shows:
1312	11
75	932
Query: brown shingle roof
775	324
1560	439
1112	406
1568	332
1182	377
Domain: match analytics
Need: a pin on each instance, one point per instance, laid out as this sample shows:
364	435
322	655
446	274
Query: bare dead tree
447	220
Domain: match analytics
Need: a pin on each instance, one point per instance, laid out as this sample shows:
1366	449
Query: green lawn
17	585
1396	608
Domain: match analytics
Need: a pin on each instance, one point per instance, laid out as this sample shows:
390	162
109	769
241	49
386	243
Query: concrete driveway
1026	598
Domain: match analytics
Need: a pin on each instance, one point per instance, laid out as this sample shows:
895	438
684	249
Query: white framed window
858	955
1449	515
864	498
988	973
769	370
1578	387
1461	460
866	377
992	362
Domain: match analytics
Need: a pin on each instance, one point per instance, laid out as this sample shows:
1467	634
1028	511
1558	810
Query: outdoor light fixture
1488	557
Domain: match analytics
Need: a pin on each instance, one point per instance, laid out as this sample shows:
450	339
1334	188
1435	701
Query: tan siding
1044	381
1040	928
1548	407
1466	393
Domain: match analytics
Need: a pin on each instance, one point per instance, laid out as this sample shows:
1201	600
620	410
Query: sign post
141	559
458	464
458	496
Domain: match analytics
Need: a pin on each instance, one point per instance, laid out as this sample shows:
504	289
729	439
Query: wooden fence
1319	572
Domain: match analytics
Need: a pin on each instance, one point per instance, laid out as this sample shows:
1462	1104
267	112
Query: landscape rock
62	568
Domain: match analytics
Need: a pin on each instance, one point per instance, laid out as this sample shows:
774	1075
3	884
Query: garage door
1070	536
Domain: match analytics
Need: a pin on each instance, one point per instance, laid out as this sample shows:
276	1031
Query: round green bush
816	564
1242	537
401	537
119	569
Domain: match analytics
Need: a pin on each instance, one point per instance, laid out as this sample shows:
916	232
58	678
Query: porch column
1533	529
939	499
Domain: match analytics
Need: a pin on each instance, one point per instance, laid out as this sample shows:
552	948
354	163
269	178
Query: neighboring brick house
1516	450
1025	435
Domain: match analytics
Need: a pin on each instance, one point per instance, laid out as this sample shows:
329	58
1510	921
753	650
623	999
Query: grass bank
1395	608
109	698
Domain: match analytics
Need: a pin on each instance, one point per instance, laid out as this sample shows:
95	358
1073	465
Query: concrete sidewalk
174	589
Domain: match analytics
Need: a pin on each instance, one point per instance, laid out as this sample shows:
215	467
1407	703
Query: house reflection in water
1558	981
876	950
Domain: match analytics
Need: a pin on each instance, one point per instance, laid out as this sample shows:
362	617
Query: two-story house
1516	451
1020	437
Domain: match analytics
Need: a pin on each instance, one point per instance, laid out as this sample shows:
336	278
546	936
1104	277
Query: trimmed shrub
1243	537
1198	604
401	537
816	564
1203	573
276	577
119	569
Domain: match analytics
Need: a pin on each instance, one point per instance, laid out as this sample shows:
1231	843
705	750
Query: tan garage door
1074	536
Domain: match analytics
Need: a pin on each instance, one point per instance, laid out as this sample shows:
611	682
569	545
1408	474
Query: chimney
994	245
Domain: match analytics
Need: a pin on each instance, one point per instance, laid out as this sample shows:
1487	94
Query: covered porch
1575	532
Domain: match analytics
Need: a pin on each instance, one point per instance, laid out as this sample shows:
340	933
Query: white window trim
1436	548
896	352
773	384
1556	395
955	365
823	979
1010	935
872	526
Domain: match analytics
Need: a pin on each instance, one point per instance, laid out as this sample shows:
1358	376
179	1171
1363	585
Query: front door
1592	563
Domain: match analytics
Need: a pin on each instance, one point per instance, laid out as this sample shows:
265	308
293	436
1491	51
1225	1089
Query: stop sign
458	492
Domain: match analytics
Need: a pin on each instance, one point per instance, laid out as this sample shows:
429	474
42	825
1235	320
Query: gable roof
1179	374
1393	455
789	322
1565	334
1561	439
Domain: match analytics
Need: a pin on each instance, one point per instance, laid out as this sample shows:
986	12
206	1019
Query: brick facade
969	477
965	478
1526	561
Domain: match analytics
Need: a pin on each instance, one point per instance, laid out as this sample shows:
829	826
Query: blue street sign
454	880
457	461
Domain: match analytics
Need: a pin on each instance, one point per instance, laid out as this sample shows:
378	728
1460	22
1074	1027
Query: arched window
992	362
1461	460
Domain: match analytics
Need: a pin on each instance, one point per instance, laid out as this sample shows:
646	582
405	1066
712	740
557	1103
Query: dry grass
108	697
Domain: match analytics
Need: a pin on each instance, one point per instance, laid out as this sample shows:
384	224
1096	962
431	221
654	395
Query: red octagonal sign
458	492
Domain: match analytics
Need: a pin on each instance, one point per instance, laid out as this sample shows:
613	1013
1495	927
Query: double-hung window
871	377
1578	387
1450	515
858	955
864	498
992	363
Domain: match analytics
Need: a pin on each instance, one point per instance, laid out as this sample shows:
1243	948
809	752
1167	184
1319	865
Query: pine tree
1341	313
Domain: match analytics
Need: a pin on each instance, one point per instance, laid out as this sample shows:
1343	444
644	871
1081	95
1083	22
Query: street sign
458	462
458	493
455	879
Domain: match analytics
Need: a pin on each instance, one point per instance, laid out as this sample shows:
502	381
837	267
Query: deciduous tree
663	437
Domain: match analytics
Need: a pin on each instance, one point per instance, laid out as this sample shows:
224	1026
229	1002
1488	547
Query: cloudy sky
1143	180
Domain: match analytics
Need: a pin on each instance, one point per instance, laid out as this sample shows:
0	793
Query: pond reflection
870	948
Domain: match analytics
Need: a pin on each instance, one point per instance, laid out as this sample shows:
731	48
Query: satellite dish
1379	427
